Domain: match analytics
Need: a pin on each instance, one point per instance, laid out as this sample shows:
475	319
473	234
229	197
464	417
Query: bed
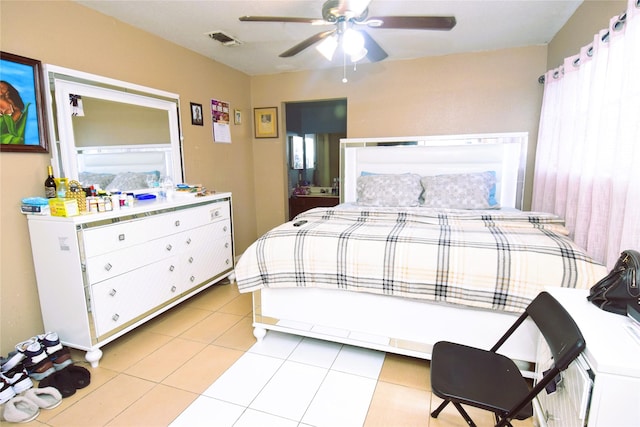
429	243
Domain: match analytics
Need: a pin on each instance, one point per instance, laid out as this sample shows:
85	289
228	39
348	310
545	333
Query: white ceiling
481	25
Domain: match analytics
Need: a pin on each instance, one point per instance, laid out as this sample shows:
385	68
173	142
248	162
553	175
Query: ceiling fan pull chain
344	67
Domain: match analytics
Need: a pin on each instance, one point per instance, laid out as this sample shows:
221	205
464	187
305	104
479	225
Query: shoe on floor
18	379
58	354
36	361
44	398
61	381
20	410
12	361
6	391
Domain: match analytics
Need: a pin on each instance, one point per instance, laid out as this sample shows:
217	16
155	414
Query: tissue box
63	207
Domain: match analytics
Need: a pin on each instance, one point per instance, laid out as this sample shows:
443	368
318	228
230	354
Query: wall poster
220	119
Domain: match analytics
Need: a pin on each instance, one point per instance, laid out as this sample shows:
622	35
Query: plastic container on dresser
101	275
602	388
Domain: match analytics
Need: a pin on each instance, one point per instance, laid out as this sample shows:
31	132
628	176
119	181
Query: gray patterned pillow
102	180
460	191
128	181
389	190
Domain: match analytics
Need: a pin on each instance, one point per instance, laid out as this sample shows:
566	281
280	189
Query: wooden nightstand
299	204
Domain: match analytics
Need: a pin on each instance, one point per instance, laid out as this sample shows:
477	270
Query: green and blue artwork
17	95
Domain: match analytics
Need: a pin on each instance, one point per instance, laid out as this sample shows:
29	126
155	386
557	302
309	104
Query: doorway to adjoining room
314	130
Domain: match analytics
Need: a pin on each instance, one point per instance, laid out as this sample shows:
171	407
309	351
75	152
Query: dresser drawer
202	215
118	235
208	253
123	298
111	264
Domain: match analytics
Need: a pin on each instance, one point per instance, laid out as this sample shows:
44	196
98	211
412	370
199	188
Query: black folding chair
488	380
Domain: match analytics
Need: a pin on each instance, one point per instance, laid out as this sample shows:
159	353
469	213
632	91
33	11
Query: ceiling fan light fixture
327	47
355	57
352	42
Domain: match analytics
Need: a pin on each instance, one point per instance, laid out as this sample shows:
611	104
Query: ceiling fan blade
306	43
375	53
415	22
278	19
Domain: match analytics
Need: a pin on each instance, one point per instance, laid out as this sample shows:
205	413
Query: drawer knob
188	240
226	245
227	261
192	278
217	213
190	260
172	267
121	237
113	292
173	289
115	317
224	228
177	223
108	267
169	247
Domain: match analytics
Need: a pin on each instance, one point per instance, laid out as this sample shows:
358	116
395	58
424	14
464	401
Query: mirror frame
64	81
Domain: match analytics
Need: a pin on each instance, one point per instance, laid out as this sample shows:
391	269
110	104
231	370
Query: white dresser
101	275
601	389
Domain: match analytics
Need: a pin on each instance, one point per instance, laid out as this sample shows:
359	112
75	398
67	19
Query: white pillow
460	191
389	190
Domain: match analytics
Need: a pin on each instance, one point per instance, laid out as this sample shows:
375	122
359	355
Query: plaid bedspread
487	259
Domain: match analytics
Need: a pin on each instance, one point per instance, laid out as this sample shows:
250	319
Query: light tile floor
199	365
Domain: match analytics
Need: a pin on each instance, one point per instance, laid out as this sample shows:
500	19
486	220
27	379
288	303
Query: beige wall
588	20
470	93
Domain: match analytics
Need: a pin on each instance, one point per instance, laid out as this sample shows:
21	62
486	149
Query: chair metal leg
464	414
439	409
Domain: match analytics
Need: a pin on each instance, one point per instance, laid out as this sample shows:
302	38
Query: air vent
223	38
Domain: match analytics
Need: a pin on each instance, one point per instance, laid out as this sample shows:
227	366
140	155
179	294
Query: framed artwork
196	114
237	117
266	122
23	125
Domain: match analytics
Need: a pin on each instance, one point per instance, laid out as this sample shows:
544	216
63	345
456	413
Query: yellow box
64	207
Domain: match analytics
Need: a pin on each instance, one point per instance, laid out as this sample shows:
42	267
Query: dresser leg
259	333
93	356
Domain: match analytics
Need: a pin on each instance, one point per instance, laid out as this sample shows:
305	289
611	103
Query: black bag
620	287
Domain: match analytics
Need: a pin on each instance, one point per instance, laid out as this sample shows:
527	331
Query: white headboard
504	153
117	159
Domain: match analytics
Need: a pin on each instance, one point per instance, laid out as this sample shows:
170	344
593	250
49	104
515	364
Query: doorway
314	130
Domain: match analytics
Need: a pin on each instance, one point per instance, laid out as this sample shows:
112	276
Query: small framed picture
237	117
266	122
196	114
23	124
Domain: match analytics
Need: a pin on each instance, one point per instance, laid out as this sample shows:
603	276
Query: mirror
113	135
314	130
314	159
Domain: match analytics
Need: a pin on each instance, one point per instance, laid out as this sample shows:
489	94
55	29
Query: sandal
20	410
45	398
68	380
61	381
80	377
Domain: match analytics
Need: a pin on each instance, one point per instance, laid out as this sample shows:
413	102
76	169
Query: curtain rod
605	38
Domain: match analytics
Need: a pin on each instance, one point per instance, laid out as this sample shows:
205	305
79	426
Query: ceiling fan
348	17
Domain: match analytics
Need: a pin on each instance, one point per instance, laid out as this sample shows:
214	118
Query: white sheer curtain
588	155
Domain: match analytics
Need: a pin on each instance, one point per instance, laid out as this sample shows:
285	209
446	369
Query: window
303	151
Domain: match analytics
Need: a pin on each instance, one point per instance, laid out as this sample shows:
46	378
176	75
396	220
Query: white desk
613	355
